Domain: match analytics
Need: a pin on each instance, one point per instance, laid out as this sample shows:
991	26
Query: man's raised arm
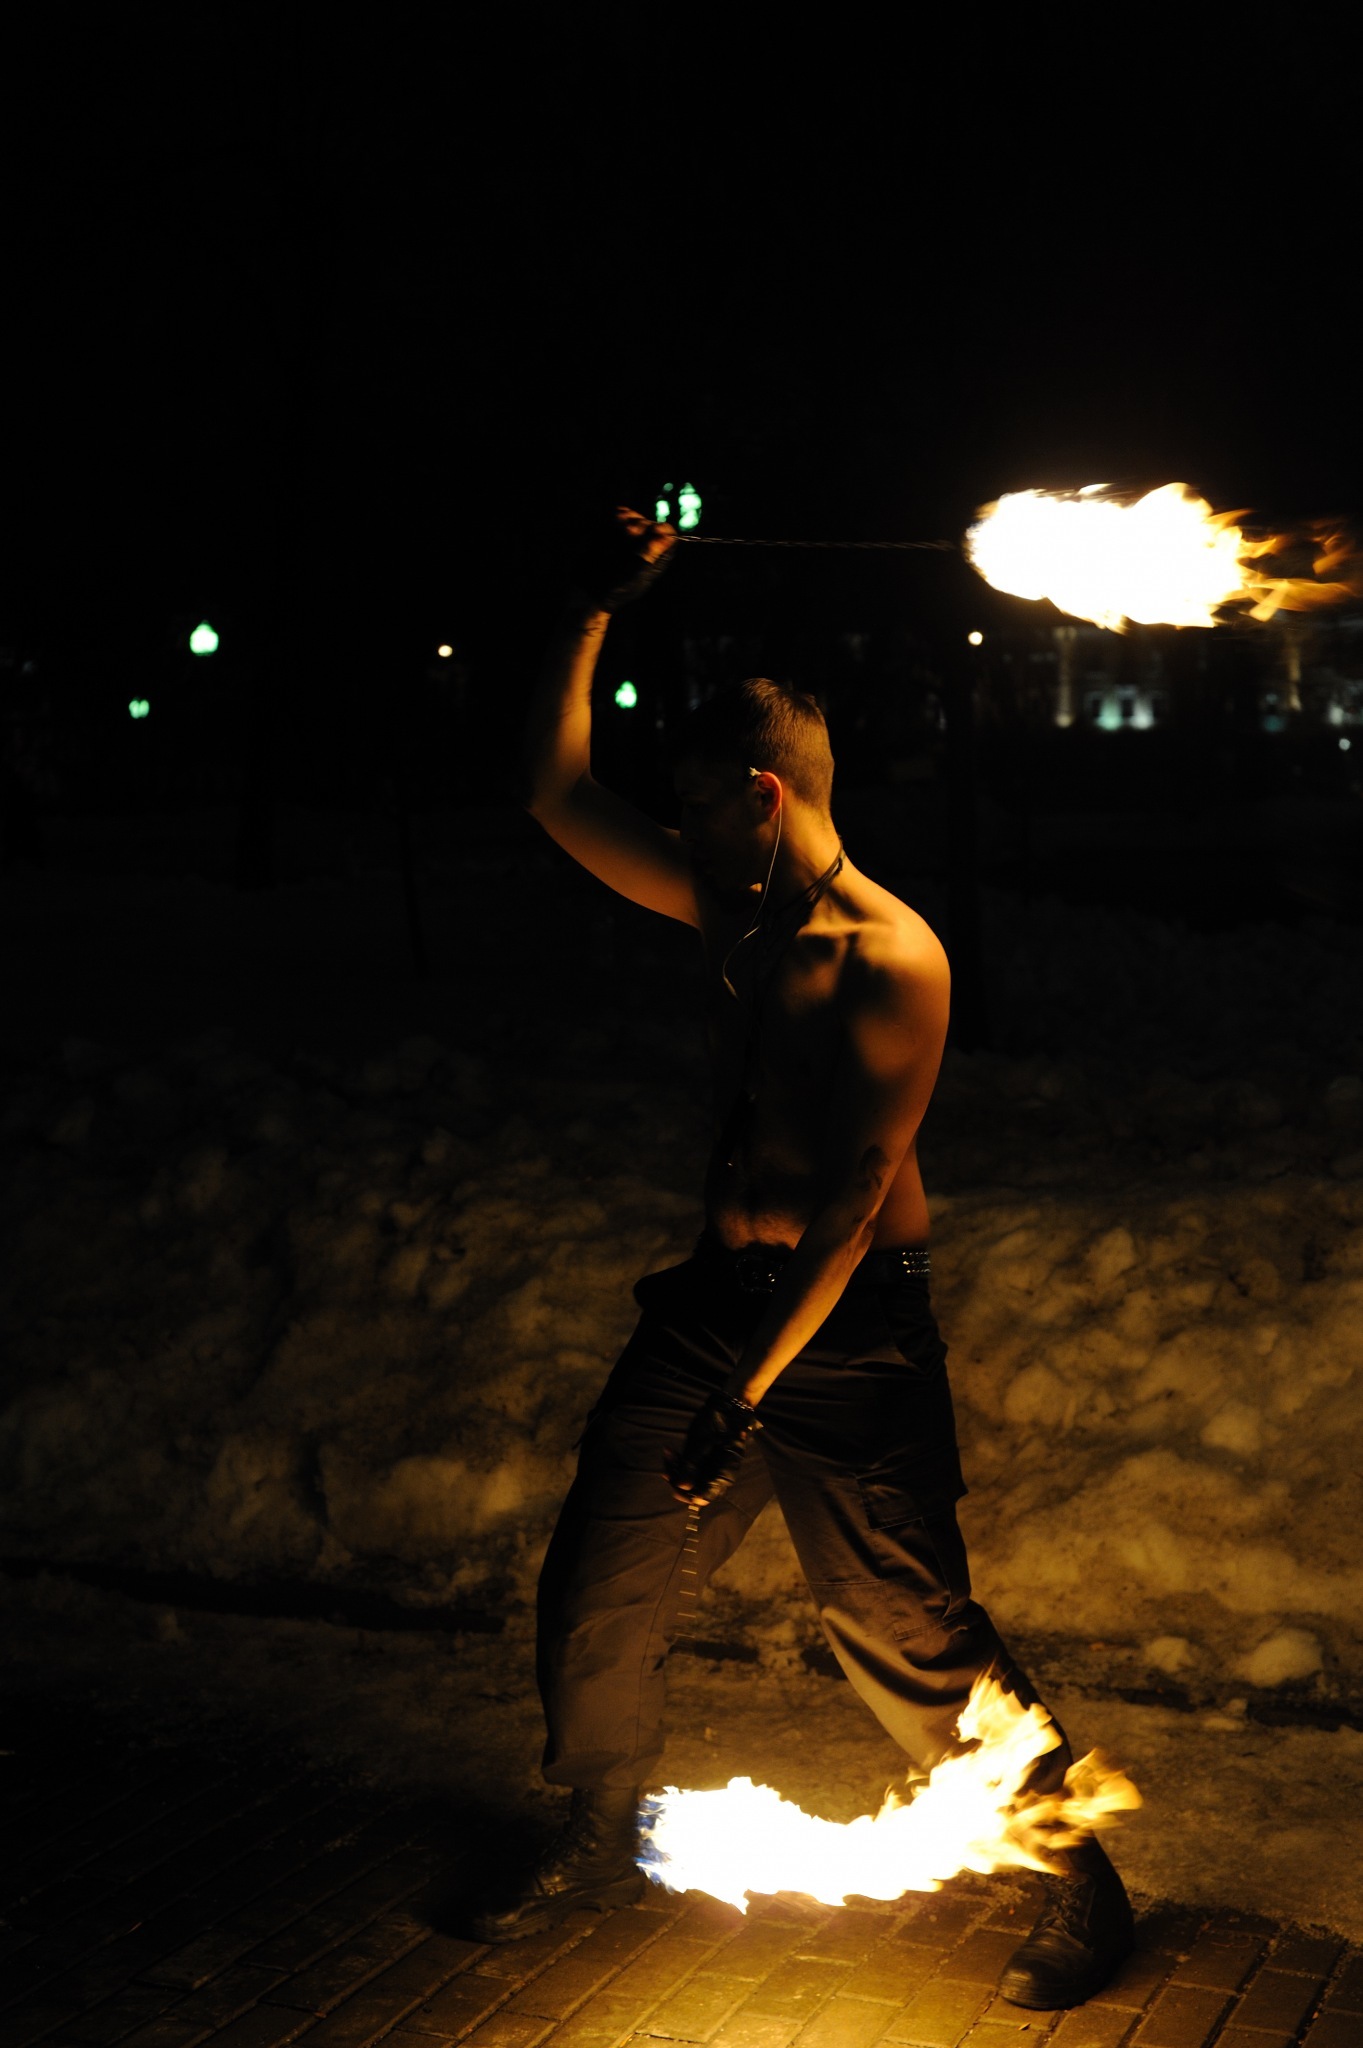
614	841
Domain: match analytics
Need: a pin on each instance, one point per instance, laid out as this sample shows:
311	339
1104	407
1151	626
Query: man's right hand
629	563
650	538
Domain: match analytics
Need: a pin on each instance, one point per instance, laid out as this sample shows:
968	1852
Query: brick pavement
167	1898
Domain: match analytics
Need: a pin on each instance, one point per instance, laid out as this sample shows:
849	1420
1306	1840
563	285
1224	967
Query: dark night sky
376	307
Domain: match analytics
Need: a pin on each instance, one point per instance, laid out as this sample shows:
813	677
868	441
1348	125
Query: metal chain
687	1589
711	540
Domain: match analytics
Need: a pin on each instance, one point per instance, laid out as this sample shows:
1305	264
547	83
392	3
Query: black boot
590	1863
1078	1942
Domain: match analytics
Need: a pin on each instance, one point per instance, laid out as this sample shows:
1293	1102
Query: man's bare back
770	1164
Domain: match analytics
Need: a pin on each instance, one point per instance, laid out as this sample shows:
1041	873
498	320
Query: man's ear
771	789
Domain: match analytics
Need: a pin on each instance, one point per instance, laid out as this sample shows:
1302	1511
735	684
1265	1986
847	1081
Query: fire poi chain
967	1815
1163	559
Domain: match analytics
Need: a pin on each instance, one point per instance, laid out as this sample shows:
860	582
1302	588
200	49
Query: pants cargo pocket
918	1546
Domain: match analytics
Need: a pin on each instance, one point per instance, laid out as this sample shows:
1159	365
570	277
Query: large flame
970	1814
1163	559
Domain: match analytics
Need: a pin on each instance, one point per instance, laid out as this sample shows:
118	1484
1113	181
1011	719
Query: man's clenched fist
627	562
708	1461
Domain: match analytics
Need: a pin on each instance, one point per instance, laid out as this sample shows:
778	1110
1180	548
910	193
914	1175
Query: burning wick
967	1815
1164	559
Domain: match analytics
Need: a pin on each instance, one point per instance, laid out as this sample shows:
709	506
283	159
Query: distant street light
203	640
444	651
138	708
975	639
627	697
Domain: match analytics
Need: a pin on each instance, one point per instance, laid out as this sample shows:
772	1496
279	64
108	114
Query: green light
688	507
627	696
203	640
138	708
662	511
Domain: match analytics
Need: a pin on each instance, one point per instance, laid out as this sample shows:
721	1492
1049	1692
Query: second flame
970	1814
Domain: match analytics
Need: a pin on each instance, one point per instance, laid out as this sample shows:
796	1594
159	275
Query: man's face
723	826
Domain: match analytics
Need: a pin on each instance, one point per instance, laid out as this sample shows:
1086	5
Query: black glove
708	1461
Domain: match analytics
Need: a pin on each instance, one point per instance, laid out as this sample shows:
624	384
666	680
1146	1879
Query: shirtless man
795	1352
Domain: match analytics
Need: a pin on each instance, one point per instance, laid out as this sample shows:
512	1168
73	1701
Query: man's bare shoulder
894	945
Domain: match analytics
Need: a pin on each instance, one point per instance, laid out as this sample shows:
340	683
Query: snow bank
337	1311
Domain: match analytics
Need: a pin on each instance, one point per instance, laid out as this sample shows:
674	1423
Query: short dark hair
761	724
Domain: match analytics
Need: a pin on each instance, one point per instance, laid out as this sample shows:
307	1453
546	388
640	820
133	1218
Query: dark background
335	329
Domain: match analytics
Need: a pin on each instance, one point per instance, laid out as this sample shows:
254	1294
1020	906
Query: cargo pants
858	1446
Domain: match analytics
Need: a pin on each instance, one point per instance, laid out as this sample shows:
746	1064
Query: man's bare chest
783	1022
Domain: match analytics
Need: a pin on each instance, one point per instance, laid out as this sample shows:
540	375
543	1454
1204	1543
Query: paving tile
1230	1919
845	2023
395	1994
1091	2026
603	2037
267	2026
90	1982
593	1962
606	2012
600	2022
892	1975
939	1917
1315	1955
998	2032
515	1962
846	1937
560	1989
1346	1993
1182	2016
260	1897
231	1829
1335	2030
194	1889
696	2011
797	1909
458	2007
756	2030
1253	2037
703	1919
1219	1961
208	2011
40	2013
757	1950
1277	2001
128	1809
793	1991
980	1958
113	2018
342	1913
508	2030
939	2015
1012	2020
1135	1982
55	1788
79	1819
1171	1929
660	1969
343	1969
